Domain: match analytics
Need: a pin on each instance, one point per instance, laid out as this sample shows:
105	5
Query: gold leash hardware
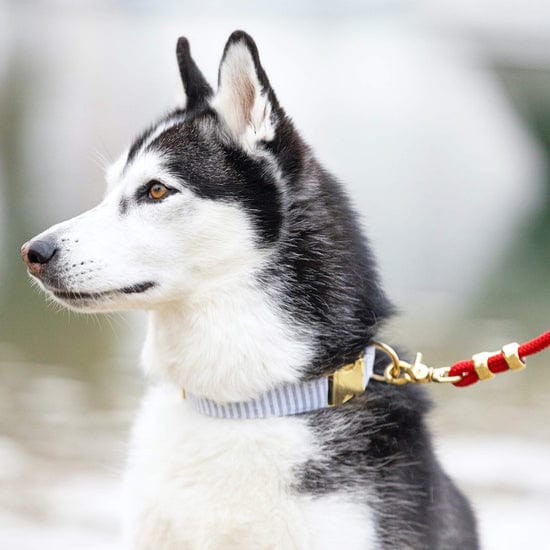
511	356
510	352
400	372
481	364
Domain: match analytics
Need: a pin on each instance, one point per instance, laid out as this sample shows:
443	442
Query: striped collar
347	382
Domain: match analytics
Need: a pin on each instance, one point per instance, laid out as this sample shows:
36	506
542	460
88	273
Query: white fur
113	173
199	483
186	244
229	345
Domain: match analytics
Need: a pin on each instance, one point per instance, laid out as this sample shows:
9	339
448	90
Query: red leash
482	366
497	362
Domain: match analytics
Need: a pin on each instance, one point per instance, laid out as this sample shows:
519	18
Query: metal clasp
400	372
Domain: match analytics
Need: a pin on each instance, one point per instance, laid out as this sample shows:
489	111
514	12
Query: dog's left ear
196	88
245	101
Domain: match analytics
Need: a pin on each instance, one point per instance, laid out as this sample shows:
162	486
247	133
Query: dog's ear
196	88
245	101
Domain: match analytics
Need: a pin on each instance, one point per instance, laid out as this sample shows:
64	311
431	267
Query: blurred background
435	114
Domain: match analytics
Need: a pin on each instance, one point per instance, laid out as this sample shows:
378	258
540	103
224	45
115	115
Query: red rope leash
497	362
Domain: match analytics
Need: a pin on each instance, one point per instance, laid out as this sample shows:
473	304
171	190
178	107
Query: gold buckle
346	383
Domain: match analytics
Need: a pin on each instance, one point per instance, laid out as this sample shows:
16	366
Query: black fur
378	448
214	170
196	87
329	273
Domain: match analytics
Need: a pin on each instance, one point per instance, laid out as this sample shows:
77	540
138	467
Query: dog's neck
229	346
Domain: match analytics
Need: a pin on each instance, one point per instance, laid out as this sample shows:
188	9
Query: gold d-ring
392	354
394	372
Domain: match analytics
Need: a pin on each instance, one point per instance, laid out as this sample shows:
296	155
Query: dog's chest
201	483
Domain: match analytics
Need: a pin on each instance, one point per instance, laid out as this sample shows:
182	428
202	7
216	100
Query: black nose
41	252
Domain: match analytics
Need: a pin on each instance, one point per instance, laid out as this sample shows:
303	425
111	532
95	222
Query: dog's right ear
196	88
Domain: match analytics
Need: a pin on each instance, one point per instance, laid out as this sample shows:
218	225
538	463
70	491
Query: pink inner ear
247	96
238	88
244	99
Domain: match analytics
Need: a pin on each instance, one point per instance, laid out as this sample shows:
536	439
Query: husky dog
220	222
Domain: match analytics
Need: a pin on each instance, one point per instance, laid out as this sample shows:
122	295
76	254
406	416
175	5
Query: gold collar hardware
346	383
400	372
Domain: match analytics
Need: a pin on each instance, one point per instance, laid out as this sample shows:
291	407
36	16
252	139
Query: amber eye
157	190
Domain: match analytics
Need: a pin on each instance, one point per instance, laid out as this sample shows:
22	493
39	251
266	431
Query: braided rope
497	362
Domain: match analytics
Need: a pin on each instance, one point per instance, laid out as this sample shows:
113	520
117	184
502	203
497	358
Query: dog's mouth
73	296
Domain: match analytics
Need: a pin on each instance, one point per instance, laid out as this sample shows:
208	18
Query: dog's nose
38	253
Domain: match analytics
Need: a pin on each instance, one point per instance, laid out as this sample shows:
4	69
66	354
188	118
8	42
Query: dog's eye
157	190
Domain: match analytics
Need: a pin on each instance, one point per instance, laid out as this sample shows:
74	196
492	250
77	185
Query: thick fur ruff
246	253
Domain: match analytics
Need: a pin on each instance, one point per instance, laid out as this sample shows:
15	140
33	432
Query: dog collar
327	391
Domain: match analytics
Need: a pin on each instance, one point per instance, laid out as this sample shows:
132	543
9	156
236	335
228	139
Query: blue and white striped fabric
282	401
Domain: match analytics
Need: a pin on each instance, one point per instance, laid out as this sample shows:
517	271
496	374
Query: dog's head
221	203
195	202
